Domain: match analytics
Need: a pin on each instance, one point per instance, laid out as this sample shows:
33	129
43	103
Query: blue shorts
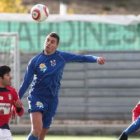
47	107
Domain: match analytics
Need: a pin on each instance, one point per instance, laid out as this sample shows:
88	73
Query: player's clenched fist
101	60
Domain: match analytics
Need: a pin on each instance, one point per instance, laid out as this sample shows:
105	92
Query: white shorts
5	134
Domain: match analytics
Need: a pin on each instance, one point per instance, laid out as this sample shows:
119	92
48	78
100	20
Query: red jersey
8	96
136	112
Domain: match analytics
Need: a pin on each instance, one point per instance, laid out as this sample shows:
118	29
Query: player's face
6	80
50	45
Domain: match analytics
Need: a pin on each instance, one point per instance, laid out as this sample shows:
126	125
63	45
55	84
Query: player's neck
47	53
2	86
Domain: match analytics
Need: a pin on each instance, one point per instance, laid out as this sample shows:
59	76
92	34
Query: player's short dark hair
4	70
55	35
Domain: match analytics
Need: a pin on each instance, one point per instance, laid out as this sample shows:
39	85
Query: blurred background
93	99
74	6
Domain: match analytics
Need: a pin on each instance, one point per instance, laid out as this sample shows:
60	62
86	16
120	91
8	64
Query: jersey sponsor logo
43	67
5	108
53	62
10	96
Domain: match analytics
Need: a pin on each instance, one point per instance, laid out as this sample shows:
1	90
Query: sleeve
29	74
18	110
70	57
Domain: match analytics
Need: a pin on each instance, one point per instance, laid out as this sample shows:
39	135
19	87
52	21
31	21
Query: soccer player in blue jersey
134	126
44	73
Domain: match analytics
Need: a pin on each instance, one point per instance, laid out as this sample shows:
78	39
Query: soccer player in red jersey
9	102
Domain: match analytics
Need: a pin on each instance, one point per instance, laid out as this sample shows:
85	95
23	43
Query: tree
12	6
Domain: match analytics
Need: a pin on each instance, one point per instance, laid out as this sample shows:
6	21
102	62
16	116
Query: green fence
75	35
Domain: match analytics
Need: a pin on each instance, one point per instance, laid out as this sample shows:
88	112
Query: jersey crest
53	62
43	67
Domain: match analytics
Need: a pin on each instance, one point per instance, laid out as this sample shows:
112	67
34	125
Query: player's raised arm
29	74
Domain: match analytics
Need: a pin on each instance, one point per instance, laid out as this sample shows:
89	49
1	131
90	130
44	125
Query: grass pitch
76	138
68	138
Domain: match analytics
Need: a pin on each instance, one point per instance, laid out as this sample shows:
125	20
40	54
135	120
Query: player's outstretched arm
29	74
70	57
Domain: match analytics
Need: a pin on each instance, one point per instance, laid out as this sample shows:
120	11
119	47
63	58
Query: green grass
76	138
68	138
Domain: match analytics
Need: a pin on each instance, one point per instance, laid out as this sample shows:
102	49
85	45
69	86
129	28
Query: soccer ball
39	12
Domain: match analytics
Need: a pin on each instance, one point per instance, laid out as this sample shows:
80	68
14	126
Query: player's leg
123	136
36	125
43	134
131	129
134	126
47	120
36	109
50	110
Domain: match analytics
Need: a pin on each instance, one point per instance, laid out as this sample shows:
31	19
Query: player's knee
37	131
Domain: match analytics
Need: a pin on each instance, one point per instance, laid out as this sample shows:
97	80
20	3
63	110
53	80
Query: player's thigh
47	120
36	120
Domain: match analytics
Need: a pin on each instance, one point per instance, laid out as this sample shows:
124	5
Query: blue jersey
44	73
